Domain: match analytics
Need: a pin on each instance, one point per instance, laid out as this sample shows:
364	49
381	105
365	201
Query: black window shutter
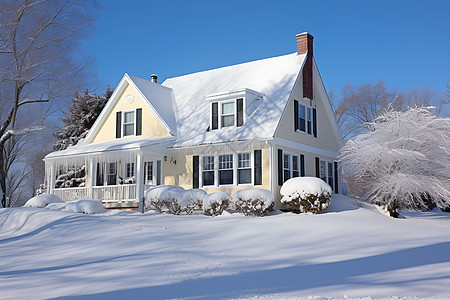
302	165
314	122
336	179
215	116
317	167
196	173
257	167
280	167
118	124
240	112
296	125
139	121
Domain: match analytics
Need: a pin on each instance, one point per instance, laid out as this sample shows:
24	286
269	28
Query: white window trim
132	164
123	123
152	181
291	164
219	112
249	167
327	170
235	168
306	119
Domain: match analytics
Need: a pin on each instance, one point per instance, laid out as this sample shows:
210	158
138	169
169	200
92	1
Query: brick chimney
305	45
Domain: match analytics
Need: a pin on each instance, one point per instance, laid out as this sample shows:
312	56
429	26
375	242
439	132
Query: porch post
139	182
51	179
92	176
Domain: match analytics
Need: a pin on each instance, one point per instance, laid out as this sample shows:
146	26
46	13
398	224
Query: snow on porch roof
117	145
273	77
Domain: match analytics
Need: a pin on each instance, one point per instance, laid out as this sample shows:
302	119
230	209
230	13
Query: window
148	172
225	169
295	166
286	166
208	170
130	170
308	120
330	174
244	168
128	123
111	174
305	119
227	114
323	172
302	117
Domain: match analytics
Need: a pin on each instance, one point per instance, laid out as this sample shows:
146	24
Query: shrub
191	200
215	203
43	200
162	198
305	194
253	202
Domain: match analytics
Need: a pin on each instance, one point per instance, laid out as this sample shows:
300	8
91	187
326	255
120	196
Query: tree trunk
2	178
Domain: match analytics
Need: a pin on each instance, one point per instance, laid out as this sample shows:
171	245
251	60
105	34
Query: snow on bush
191	200
215	203
253	202
403	161
43	200
163	198
85	206
305	194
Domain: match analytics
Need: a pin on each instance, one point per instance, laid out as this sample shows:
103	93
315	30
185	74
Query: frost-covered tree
38	40
403	161
83	112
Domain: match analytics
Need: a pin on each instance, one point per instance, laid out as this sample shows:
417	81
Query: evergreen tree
82	114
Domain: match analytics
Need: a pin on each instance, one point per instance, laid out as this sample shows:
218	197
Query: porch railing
109	193
113	193
71	194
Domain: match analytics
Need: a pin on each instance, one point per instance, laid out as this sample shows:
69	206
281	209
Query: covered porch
116	172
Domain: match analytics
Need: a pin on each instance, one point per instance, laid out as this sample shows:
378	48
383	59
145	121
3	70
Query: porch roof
154	144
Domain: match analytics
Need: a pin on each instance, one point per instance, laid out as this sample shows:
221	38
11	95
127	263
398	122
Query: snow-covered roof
274	78
119	144
160	98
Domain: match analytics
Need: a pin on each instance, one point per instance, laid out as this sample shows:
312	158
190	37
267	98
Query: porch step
131	205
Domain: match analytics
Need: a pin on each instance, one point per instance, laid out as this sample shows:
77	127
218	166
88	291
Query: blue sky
404	43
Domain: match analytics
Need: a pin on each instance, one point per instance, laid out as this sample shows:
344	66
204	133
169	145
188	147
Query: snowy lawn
351	249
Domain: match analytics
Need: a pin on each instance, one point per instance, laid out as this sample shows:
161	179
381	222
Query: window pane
330	169
128	129
225	162
243	160
323	175
286	161
208	163
287	175
128	117
226	177
295	162
208	178
244	176
302	125
301	111
228	108
227	121
309	127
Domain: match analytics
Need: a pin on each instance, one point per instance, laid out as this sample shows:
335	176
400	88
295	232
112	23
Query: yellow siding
182	173
325	135
310	166
151	126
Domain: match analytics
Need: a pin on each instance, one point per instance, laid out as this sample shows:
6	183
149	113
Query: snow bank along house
254	124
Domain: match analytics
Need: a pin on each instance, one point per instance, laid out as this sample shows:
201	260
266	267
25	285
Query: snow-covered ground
350	250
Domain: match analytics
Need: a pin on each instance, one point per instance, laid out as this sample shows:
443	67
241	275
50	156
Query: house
254	124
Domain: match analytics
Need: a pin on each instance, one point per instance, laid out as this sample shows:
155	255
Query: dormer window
231	109
228	114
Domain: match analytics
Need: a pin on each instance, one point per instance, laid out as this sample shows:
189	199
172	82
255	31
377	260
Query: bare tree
37	67
362	104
